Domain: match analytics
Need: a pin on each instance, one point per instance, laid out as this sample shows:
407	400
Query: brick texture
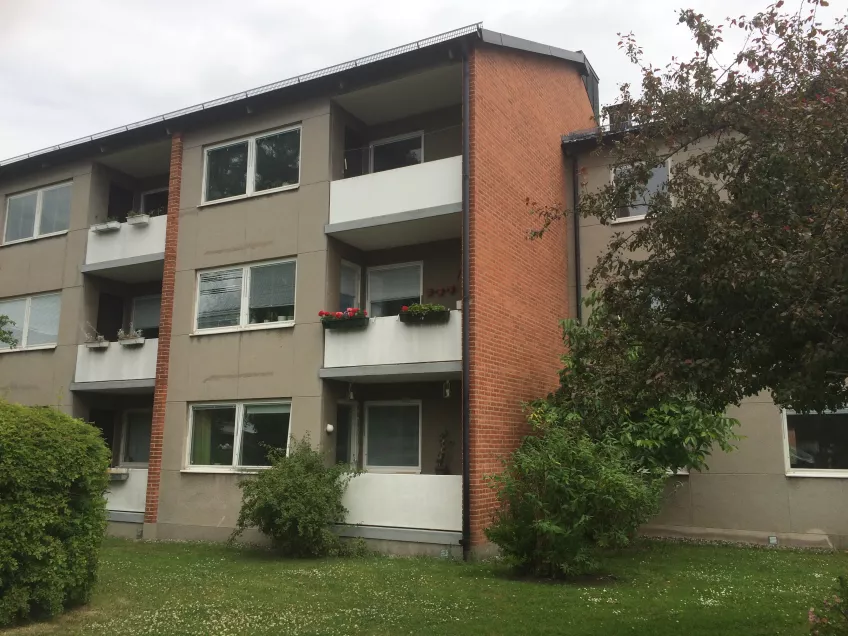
520	104
160	395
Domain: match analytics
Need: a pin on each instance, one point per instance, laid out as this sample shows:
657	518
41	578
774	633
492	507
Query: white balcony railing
427	502
127	242
388	341
117	362
128	495
433	184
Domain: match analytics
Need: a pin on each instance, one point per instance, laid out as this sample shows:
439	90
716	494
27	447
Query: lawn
661	589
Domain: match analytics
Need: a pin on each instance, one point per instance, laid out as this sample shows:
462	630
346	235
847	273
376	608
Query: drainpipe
466	286
575	172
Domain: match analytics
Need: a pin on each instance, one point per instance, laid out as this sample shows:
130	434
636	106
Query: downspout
578	283
466	293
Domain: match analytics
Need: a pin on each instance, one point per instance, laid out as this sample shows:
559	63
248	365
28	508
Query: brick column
160	395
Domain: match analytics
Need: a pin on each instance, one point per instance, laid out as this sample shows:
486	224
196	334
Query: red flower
349	309
404	308
364	313
322	313
339	314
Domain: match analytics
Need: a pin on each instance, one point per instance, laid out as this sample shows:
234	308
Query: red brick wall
520	104
160	395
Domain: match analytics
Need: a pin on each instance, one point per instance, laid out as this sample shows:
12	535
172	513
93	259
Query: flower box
138	219
108	226
118	474
424	315
358	322
131	342
97	344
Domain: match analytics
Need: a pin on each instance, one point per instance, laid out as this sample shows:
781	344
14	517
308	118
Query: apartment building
166	277
786	480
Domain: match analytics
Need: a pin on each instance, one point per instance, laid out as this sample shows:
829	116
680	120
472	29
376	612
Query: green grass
661	589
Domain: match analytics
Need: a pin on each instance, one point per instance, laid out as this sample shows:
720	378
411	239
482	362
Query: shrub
832	618
52	510
295	501
563	496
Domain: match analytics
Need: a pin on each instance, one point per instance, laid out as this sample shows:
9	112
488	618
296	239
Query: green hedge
52	510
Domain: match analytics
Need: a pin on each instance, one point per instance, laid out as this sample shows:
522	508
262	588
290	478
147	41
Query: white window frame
38	205
377	268
638	217
831	473
251	165
237	433
410	470
124	426
144	297
389	140
21	346
244	313
144	194
353	442
358	296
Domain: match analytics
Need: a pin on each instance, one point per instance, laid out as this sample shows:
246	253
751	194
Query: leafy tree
6	336
745	284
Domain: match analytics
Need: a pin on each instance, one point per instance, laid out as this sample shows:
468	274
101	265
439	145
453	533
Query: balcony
129	252
116	368
413	502
413	204
388	350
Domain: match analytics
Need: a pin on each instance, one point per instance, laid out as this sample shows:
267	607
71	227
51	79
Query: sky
70	68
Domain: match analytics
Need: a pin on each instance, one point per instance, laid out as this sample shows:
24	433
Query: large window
393	286
817	442
397	152
639	207
237	435
35	321
256	165
246	296
349	286
135	447
393	436
38	213
145	315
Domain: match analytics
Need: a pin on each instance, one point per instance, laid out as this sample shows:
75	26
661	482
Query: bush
563	496
832	618
295	501
52	510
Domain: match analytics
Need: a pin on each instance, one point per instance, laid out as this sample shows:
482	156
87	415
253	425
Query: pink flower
339	314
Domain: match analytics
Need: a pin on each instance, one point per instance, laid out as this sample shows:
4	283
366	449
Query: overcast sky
70	68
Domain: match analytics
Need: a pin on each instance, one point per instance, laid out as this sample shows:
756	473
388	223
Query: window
397	152
38	213
817	441
346	433
155	202
237	435
656	183
256	165
135	448
392	287
246	296
349	286
145	315
393	436
36	320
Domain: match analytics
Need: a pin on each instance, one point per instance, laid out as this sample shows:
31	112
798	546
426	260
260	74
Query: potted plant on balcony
424	314
139	219
94	339
351	318
130	338
110	225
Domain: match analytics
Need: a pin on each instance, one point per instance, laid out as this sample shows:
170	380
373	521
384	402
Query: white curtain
219	300
272	285
397	282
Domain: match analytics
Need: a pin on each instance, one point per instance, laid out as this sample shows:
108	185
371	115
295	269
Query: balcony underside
122	387
403	228
382	373
135	269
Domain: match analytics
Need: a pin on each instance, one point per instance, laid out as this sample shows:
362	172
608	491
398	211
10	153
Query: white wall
429	502
128	242
426	185
389	341
129	495
117	362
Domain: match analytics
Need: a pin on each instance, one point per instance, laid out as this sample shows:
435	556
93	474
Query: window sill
822	473
388	470
34	238
628	219
257	327
242	197
25	349
223	470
